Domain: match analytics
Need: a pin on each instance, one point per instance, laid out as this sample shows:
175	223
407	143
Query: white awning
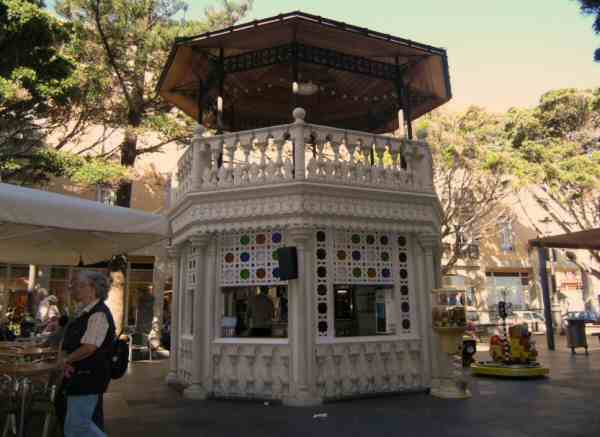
39	227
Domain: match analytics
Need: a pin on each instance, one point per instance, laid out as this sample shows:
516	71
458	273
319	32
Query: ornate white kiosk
358	206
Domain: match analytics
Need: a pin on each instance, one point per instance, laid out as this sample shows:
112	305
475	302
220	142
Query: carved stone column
197	389
430	268
174	258
299	139
159	278
209	310
301	324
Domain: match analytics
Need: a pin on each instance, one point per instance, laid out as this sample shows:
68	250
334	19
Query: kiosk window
255	311
364	310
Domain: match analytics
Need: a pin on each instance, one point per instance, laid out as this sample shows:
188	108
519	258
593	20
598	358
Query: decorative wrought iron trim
258	59
314	55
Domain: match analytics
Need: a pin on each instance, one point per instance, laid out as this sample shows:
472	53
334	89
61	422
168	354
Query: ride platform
493	368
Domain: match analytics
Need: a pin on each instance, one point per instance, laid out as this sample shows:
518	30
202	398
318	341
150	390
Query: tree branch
111	58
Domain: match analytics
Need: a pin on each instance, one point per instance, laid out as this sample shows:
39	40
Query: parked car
535	322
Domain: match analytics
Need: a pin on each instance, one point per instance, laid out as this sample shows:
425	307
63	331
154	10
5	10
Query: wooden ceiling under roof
362	75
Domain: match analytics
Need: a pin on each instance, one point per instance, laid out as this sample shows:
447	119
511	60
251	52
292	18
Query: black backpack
119	360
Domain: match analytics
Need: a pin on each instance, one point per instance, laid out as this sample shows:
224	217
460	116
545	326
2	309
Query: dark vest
92	374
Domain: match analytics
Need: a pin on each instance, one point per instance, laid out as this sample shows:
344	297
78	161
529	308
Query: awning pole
546	297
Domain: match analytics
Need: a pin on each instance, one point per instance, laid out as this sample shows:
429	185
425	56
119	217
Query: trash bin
576	334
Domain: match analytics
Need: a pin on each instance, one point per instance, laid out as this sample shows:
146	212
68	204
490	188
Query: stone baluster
364	166
407	152
247	148
229	148
353	163
321	161
336	165
238	169
199	161
211	172
223	171
262	147
298	134
394	171
423	166
279	170
379	171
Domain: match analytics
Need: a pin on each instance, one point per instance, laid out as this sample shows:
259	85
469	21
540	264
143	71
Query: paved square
566	404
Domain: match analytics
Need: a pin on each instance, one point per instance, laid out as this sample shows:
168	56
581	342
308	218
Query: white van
535	321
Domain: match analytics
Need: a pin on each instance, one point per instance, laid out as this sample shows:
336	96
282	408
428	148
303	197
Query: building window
364	310
506	236
106	195
511	287
362	283
255	311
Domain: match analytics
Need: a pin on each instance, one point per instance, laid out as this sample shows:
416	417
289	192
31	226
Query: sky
502	53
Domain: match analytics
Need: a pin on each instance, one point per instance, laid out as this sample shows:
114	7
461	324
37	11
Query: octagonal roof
355	70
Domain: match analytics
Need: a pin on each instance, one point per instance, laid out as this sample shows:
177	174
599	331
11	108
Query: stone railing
353	369
183	175
303	152
251	371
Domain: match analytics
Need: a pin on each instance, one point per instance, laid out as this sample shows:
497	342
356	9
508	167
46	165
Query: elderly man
88	344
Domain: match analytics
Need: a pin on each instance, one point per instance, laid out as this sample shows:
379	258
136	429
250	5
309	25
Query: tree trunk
118	265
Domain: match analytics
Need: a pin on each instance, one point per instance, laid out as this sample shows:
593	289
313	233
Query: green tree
592	7
558	149
471	175
123	46
38	87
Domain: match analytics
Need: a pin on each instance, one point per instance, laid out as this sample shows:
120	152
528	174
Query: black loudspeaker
288	263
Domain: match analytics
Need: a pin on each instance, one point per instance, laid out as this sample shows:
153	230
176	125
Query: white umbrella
39	227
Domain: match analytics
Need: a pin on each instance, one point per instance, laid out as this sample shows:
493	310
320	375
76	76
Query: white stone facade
355	215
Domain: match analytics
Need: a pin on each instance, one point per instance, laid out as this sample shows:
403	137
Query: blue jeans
78	422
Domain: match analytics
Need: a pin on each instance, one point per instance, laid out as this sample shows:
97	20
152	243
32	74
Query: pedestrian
87	344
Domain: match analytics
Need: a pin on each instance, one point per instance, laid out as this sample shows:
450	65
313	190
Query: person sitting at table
47	309
57	333
88	343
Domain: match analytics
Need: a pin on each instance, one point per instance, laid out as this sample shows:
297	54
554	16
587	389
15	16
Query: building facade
503	266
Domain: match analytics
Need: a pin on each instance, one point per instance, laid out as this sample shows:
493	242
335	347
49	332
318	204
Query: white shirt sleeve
97	328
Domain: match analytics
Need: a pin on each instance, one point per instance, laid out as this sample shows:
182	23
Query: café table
22	374
31	352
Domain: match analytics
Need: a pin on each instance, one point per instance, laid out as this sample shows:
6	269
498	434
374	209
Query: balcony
303	152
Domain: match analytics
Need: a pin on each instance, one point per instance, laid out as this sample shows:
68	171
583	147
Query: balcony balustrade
303	152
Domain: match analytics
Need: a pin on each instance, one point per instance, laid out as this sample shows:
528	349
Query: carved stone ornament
302	210
430	242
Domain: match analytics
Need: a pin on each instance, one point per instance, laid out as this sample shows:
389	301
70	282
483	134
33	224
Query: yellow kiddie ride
514	355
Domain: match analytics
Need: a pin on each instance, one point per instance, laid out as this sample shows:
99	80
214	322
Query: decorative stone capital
173	252
200	240
430	243
300	236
